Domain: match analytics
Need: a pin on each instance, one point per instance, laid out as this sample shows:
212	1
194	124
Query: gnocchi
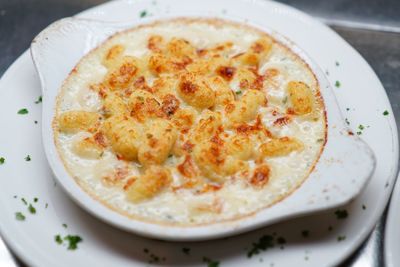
75	121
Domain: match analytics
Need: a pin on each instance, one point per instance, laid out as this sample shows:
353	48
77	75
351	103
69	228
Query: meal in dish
190	121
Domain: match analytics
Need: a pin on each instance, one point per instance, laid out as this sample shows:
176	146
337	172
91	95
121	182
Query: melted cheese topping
190	122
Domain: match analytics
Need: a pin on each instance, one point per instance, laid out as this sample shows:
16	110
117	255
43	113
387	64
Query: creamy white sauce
236	198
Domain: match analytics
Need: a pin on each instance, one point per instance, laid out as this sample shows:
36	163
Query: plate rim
390	224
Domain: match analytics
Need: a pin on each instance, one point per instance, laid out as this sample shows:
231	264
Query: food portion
190	122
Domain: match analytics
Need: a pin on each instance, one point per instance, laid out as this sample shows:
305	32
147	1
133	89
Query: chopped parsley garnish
319	140
341	238
264	243
341	214
337	63
238	92
31	209
24	201
35	199
65	225
347	121
347	109
36	122
186	251
361	128
19	216
23	111
39	100
337	84
28	158
210	262
73	241
58	239
284	100
143	14
305	233
152	257
385	113
46	206
2	160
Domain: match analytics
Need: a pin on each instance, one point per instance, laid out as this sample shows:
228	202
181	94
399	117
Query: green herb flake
264	243
341	214
347	109
64	225
35	200
186	251
23	111
143	14
341	238
2	160
347	121
58	239
36	122
364	207
210	262
24	201
238	92
359	133
73	241
361	127
46	206
154	258
320	140
31	209
337	63
19	216
284	100
39	100
28	158
305	233
337	84
385	113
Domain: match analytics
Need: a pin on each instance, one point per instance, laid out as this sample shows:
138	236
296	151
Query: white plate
392	229
33	239
345	157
